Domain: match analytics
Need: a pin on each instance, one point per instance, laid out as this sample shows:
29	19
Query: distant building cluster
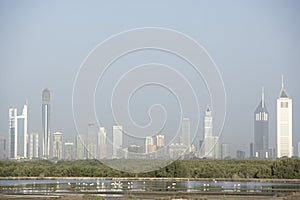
95	144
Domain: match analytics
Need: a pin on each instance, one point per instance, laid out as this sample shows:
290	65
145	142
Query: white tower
16	151
34	145
102	146
148	144
284	124
117	140
211	142
57	145
92	141
185	132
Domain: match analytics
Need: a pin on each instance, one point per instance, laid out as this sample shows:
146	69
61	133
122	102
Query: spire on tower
283	93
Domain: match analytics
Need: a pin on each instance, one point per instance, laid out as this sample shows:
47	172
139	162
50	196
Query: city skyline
97	140
94	145
242	47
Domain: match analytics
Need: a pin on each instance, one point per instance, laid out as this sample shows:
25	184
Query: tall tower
17	142
80	147
46	122
13	133
160	141
102	146
284	123
69	151
211	142
261	129
185	132
91	140
2	148
34	145
148	144
117	140
57	146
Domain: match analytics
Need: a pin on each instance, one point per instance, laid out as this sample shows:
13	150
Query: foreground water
121	188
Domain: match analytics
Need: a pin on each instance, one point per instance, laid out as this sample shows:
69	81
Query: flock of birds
120	185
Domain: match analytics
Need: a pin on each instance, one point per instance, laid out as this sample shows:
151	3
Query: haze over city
252	43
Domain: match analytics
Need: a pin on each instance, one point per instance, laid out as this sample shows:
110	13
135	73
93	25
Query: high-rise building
13	133
102	146
240	154
284	124
69	151
117	140
148	144
185	132
46	114
211	142
34	145
160	141
80	148
57	145
251	150
225	151
92	141
261	129
17	142
3	152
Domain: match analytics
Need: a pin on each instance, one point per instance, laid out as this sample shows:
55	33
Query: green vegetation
283	169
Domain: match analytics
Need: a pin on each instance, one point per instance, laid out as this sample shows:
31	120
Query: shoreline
158	179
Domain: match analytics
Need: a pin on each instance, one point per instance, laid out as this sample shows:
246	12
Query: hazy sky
43	44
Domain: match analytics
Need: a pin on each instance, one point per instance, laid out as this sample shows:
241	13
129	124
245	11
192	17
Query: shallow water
111	188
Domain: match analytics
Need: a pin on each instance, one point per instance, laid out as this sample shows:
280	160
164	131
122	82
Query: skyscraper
211	142
17	142
69	151
225	153
284	123
148	144
2	148
102	146
80	148
92	141
46	109
13	133
57	145
185	132
117	140
34	145
160	141
251	153
261	129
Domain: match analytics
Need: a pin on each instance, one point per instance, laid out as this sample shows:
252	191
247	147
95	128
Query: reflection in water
120	187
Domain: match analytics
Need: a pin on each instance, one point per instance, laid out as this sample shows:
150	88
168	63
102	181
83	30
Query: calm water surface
119	188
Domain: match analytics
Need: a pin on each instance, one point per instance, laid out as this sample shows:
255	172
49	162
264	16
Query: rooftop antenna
282	81
262	97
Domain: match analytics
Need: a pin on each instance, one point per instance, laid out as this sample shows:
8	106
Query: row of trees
282	168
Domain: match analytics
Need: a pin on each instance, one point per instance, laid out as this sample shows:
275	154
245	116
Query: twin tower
284	147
